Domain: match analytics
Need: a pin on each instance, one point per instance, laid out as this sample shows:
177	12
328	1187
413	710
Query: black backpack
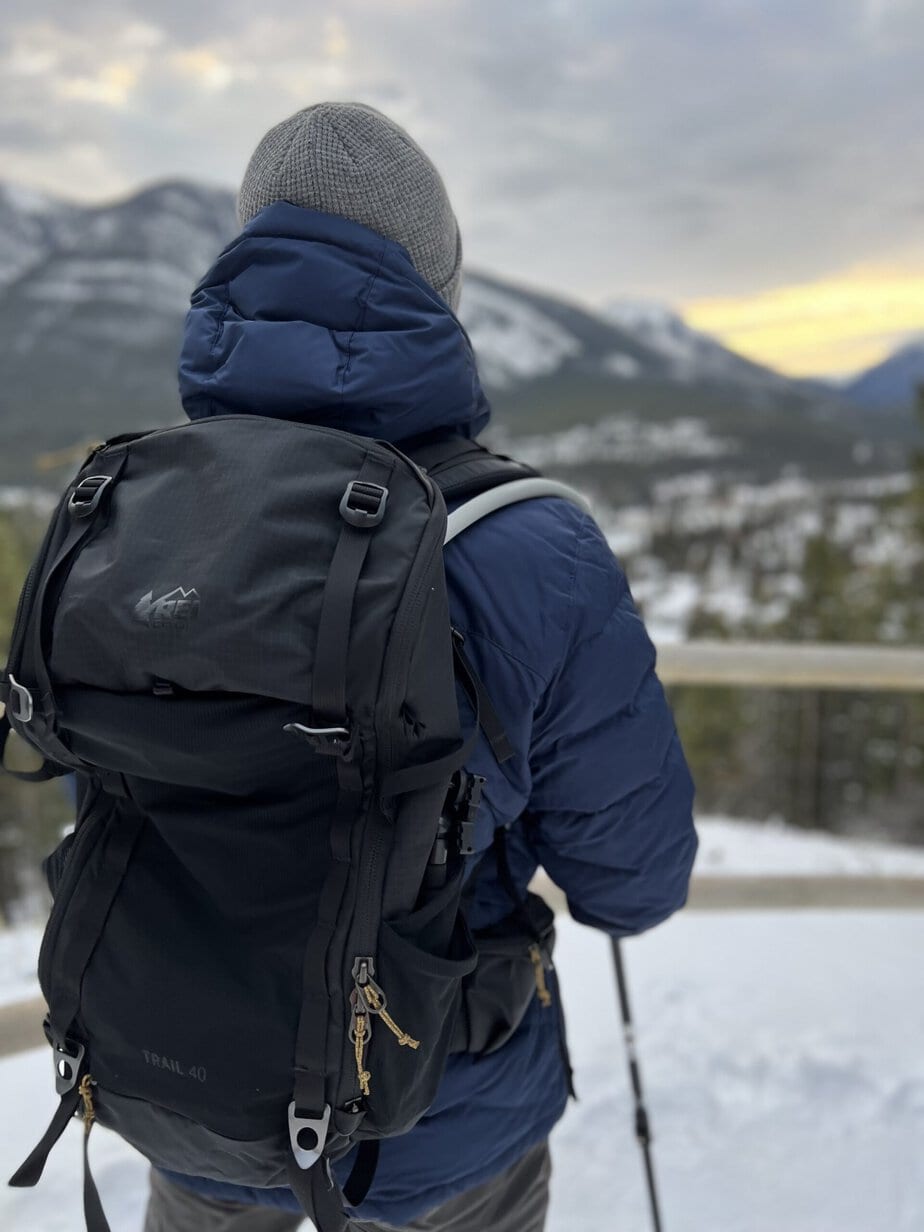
236	634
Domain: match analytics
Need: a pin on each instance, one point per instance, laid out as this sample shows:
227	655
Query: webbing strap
29	1172
47	770
34	666
360	1179
441	769
86	918
93	1211
520	903
429	773
311	1038
328	690
319	1195
488	718
329	703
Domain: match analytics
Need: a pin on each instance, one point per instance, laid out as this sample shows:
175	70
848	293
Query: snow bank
19	949
750	848
785	1076
781	1056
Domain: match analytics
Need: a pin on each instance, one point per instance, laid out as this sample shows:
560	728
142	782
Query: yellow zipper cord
89	1112
542	988
377	1007
359	1047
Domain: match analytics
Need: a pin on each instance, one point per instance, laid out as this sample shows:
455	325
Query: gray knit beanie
349	159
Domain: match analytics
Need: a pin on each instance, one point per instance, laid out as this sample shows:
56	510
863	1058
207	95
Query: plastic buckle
86	496
363	504
307	1135
463	806
334	741
468	817
68	1059
24	708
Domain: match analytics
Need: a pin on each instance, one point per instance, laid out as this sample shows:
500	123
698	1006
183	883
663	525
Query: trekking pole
642	1125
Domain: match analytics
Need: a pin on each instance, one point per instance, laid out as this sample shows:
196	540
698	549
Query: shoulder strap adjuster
86	496
363	504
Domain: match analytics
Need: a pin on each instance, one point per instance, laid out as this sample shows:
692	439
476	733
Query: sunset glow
836	325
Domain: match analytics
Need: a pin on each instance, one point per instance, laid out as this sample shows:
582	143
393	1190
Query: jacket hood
314	318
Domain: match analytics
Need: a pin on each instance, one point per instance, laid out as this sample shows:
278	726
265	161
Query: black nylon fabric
231	865
219	529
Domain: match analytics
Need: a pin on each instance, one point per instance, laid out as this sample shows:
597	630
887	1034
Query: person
598	792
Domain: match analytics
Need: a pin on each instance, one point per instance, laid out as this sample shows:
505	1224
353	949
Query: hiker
597	790
324	733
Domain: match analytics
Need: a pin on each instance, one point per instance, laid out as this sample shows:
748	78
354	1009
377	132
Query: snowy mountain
521	335
892	384
91	307
691	355
31	224
81	271
92	300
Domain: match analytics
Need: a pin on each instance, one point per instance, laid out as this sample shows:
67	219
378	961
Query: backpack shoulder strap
485	481
462	468
511	493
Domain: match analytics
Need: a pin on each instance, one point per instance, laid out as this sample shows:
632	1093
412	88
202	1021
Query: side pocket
406	1009
63	869
514	967
53	865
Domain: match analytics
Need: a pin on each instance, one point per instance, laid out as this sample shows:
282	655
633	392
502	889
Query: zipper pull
89	1112
542	989
374	999
360	1032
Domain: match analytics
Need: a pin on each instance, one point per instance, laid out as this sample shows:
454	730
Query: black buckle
468	813
363	504
334	741
86	496
462	807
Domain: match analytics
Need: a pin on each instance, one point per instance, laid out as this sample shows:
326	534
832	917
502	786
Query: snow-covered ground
783	1060
767	849
782	1055
19	949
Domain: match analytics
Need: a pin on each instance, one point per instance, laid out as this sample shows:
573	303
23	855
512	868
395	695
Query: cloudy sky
758	163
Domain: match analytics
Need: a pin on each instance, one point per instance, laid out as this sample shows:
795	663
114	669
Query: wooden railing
793	665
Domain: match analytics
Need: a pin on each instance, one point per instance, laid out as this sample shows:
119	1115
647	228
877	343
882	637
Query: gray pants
515	1201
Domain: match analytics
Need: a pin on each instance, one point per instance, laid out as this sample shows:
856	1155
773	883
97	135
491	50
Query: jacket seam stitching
364	305
222	317
483	637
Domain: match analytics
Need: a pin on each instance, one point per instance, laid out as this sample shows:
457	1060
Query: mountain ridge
92	300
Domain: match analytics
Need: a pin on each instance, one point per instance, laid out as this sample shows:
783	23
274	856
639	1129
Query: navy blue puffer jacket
314	318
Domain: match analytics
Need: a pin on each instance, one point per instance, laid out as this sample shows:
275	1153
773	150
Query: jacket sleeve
610	813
